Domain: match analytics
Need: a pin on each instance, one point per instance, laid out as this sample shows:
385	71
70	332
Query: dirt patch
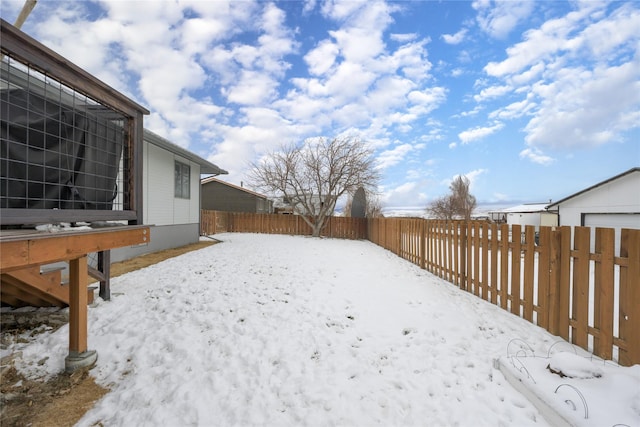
65	398
119	268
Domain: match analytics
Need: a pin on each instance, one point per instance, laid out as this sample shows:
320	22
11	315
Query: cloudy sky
530	100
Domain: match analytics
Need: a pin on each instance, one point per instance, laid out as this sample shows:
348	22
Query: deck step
38	287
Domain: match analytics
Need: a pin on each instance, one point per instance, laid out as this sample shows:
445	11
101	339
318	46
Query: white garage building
613	203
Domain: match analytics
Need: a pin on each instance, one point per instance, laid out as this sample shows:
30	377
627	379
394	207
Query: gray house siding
162	237
173	220
220	196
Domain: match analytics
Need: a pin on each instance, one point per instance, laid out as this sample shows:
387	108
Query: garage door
616	221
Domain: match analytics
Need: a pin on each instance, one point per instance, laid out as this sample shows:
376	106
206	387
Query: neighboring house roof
219	181
524	208
206	167
632	170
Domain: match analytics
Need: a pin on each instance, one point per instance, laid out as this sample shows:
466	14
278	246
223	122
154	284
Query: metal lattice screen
59	148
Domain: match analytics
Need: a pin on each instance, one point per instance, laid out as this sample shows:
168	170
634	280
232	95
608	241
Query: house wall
524	218
615	204
619	196
173	221
217	196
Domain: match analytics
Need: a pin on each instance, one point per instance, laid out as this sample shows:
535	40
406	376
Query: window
183	181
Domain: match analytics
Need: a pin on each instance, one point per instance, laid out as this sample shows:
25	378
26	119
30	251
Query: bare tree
312	176
459	203
464	202
442	208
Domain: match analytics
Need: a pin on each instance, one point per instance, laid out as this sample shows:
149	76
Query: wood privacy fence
212	222
558	279
552	279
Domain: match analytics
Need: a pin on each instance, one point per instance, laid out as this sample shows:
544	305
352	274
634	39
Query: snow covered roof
526	208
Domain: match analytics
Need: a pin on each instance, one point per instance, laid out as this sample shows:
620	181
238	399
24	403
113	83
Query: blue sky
530	100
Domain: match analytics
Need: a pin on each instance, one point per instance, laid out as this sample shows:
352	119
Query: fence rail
553	279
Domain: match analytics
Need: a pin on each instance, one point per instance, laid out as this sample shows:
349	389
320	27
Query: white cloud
403	38
492	92
499	18
581	78
406	194
514	110
252	88
321	59
536	156
309	5
540	44
456	38
474	176
586	108
471	135
394	156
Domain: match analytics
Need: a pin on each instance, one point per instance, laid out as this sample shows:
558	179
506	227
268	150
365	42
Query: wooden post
79	356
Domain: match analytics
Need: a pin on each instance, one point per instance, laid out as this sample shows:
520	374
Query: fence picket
604	293
629	310
493	229
529	266
516	255
544	267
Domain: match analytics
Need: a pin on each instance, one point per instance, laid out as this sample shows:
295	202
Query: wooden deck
23	252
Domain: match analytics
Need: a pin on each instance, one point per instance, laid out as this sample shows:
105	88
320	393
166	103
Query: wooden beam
22	251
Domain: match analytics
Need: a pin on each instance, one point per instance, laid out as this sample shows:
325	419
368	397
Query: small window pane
182	181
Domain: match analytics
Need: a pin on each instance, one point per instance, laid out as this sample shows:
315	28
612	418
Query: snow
290	330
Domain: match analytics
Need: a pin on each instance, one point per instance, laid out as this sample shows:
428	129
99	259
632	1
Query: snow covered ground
285	330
